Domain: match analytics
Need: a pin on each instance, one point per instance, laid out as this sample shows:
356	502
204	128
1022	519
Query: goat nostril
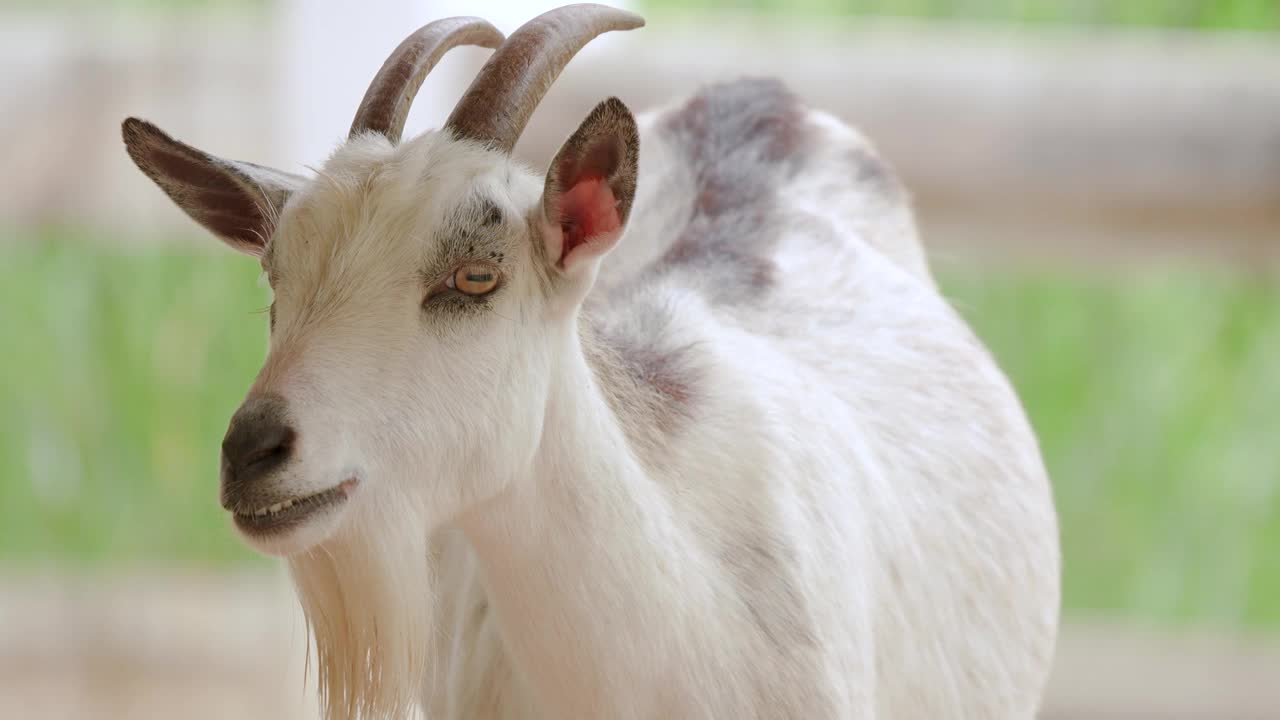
259	440
272	448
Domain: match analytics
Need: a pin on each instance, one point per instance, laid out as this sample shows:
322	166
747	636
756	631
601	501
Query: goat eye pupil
475	280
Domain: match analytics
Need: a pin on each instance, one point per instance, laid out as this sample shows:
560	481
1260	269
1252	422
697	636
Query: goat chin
354	590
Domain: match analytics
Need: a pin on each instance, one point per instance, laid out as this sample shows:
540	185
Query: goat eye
474	279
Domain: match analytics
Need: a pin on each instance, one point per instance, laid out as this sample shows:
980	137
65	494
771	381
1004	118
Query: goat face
409	349
421	294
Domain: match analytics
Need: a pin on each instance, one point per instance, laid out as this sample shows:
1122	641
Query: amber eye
474	279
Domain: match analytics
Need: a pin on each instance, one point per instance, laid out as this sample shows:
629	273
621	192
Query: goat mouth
288	514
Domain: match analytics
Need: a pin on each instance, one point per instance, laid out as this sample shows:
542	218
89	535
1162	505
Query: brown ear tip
135	130
612	107
131	128
136	133
615	103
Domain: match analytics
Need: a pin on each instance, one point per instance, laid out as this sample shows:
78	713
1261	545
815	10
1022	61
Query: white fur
510	552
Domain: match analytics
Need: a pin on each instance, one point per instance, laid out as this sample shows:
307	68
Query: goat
747	463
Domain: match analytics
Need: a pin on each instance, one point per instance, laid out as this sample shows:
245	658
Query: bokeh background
1098	182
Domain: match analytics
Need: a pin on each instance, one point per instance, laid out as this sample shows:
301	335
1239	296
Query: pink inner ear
587	211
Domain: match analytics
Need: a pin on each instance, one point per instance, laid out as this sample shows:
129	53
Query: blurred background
1098	182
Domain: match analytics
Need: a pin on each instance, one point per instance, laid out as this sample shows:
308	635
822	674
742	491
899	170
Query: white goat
748	464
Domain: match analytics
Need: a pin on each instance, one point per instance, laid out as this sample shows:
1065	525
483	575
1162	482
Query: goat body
777	477
795	486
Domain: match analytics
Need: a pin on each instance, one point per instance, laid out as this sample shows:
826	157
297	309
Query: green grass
1187	14
1156	398
116	387
1155	395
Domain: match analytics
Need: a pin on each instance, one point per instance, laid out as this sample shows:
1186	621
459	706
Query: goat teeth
275	508
286	504
260	512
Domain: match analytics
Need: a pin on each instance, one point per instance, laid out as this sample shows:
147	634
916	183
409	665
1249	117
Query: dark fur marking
492	213
660	370
741	138
642	372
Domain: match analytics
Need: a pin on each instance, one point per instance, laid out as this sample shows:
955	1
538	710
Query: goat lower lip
258	522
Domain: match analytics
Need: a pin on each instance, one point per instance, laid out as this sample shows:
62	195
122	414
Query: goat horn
497	106
386	103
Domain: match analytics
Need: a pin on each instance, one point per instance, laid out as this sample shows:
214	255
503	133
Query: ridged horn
498	105
387	101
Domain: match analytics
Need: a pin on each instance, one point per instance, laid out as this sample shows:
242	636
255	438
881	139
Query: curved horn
386	103
497	106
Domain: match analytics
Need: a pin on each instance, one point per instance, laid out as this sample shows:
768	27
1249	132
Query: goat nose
259	441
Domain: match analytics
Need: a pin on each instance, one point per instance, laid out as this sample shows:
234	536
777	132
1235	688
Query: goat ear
237	201
590	186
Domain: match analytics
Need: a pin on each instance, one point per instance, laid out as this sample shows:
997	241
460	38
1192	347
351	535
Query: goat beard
368	596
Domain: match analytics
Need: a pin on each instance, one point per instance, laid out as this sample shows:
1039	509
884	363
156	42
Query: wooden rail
1058	144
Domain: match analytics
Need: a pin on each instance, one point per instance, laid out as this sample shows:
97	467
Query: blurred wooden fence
1063	143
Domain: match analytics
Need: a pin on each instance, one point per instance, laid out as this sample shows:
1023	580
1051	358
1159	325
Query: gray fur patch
742	139
649	381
